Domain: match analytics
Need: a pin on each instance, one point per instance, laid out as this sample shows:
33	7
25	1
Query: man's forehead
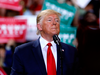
51	15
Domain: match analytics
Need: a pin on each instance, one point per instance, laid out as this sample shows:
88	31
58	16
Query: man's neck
49	39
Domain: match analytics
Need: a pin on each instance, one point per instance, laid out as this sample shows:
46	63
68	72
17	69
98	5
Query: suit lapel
39	58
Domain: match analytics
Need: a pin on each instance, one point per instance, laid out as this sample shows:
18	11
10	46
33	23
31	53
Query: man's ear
39	26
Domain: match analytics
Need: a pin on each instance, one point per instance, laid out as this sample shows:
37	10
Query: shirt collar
44	42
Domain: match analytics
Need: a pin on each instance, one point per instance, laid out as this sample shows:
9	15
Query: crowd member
88	47
33	7
38	58
89	20
3	70
10	46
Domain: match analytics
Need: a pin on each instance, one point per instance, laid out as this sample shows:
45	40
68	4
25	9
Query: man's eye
49	20
57	20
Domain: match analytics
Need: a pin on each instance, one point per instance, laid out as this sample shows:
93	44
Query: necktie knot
49	44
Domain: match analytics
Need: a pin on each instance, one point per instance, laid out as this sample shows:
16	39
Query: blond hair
43	13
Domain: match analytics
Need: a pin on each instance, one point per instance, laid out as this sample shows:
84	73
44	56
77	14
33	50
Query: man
37	58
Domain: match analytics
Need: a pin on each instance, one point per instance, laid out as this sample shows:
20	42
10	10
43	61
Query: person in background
10	46
42	56
3	70
88	40
89	20
33	7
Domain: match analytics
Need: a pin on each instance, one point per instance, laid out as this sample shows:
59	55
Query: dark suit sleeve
17	66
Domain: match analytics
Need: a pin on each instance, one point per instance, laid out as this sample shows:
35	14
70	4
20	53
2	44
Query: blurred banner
11	4
12	28
31	27
67	34
67	11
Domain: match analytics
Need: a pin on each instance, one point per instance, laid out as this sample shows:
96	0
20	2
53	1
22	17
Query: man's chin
55	34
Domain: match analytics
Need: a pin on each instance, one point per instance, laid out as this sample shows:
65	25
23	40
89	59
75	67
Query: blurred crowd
87	38
30	7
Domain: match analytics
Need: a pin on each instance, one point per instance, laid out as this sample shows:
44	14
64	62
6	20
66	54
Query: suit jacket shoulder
27	58
26	46
68	47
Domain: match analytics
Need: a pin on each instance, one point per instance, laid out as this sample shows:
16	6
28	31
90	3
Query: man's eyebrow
56	18
51	18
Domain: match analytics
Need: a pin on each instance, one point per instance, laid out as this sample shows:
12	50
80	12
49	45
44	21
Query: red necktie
2	72
51	67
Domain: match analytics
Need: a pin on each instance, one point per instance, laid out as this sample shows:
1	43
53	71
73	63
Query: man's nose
54	22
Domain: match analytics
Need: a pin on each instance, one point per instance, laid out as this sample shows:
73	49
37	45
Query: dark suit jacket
28	60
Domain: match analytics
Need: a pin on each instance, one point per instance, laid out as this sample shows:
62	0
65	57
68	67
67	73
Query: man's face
50	25
90	17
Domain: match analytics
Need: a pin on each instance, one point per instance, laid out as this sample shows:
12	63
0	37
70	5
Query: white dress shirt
44	48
